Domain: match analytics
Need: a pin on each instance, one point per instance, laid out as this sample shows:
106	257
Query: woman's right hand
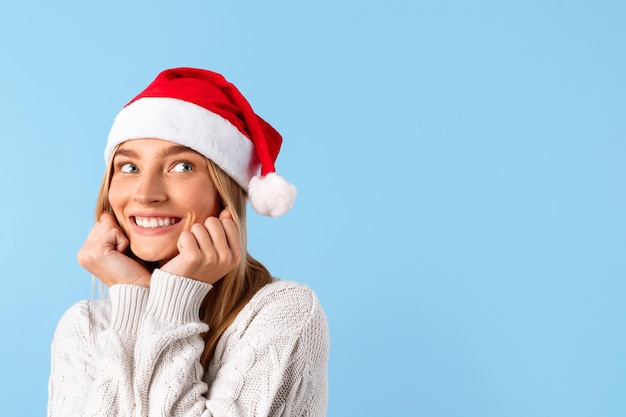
103	255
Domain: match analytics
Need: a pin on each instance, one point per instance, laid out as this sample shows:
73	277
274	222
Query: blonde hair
230	294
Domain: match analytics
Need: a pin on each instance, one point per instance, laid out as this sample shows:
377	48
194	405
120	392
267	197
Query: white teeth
154	222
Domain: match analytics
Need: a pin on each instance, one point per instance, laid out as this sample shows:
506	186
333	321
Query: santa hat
200	109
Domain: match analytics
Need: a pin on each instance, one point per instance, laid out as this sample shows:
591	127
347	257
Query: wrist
127	306
174	298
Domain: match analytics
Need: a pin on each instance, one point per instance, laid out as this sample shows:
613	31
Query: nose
150	189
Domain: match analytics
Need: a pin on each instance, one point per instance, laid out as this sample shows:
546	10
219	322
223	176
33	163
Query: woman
193	325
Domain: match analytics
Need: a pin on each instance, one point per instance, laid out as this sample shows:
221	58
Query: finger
232	236
106	217
225	240
114	234
202	236
216	230
230	227
228	223
188	245
121	241
226	214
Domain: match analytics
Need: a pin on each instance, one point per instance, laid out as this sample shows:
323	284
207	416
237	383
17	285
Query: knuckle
193	258
83	257
196	227
211	259
210	220
229	259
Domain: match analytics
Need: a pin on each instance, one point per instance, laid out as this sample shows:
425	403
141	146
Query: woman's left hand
208	251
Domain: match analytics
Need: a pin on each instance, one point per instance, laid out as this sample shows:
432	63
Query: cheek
202	203
117	199
213	205
203	209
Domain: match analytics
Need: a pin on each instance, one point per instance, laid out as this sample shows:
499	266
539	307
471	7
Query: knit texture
137	353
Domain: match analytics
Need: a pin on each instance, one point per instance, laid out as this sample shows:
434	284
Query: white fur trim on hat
190	125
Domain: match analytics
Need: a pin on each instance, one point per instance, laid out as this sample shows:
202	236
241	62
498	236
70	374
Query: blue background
460	167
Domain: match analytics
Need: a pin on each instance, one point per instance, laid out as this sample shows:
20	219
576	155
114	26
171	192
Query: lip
156	230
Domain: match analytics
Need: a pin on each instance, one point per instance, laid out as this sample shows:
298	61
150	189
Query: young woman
192	325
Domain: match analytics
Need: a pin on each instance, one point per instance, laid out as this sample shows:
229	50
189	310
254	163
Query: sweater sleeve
92	355
141	356
168	373
272	361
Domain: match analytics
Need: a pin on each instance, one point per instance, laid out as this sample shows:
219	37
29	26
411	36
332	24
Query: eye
182	167
129	168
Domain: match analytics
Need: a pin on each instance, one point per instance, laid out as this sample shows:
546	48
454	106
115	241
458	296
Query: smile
154	222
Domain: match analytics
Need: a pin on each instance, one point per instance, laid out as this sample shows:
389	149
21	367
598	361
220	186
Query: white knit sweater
136	353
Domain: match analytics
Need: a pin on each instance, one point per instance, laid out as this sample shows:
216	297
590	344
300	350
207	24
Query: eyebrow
126	152
175	150
164	153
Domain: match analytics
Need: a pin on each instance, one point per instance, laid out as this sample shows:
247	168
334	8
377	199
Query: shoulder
281	307
285	294
83	318
285	301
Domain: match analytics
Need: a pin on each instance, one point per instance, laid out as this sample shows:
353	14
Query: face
158	189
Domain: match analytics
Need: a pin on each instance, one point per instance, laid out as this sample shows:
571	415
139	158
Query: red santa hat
200	109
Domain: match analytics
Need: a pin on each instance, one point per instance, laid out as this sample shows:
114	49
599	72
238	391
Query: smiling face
157	190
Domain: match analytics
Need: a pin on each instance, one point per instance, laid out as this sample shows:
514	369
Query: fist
207	251
103	255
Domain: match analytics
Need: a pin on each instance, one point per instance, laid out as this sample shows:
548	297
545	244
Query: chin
158	256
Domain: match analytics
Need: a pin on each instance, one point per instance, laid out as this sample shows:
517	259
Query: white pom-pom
271	195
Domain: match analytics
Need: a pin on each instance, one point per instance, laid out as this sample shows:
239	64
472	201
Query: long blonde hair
230	294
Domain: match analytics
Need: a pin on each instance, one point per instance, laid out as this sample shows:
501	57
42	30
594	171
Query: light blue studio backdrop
461	174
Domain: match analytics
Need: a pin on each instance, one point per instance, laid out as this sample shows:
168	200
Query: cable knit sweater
136	353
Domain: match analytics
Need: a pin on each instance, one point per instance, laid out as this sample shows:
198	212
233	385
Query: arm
92	350
92	356
167	354
129	363
274	360
271	360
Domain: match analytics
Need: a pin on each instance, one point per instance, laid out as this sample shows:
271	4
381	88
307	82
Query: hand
103	255
208	251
